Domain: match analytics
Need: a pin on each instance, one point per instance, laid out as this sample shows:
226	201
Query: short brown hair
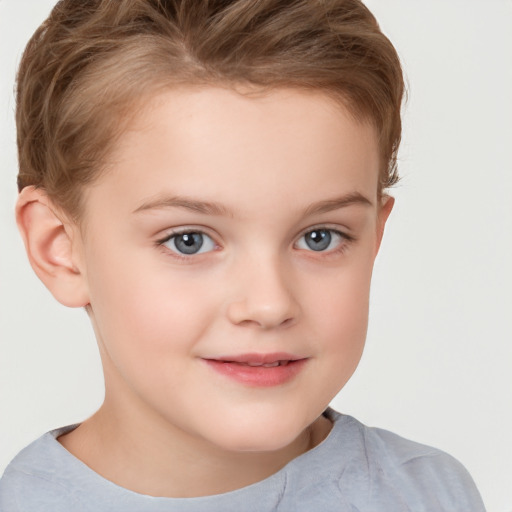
92	61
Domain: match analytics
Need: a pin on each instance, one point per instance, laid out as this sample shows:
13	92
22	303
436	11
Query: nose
263	296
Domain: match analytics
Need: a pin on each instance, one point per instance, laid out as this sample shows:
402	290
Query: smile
258	370
266	365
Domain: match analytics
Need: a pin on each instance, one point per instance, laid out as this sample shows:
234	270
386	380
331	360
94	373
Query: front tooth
267	365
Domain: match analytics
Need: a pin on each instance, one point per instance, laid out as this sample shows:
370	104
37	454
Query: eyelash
346	241
343	245
187	258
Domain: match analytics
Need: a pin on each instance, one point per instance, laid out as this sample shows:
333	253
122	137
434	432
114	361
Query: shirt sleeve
22	491
424	478
443	482
8	501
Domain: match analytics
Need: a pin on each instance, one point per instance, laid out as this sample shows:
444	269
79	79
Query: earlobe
387	203
49	245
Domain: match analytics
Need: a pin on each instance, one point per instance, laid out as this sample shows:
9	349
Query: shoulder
35	478
411	472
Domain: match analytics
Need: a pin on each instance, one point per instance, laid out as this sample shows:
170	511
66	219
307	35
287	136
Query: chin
251	445
259	437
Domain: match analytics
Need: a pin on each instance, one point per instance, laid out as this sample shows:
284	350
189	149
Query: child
208	180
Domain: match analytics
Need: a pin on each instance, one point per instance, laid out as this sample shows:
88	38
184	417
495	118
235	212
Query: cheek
340	311
345	322
145	310
155	313
341	298
148	326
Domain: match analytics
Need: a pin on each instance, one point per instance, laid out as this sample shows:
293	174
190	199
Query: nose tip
266	315
264	299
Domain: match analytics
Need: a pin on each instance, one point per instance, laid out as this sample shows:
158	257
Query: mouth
264	365
259	370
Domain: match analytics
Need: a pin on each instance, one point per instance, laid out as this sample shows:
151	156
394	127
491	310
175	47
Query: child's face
277	196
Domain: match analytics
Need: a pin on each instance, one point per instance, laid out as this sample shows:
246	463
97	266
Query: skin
276	166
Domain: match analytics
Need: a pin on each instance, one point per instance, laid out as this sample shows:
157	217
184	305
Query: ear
50	241
385	207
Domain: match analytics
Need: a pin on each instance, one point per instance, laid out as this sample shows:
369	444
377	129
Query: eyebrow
212	208
206	207
330	205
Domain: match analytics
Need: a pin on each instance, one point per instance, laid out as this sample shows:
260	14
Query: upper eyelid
346	239
162	243
171	232
337	229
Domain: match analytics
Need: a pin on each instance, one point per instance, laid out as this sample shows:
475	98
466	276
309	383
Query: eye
321	239
189	243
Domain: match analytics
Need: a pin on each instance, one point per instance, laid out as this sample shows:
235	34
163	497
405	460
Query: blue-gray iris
189	243
318	240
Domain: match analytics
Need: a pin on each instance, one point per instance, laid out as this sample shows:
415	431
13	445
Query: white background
438	363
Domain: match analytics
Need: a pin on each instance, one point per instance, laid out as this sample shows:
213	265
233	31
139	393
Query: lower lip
258	376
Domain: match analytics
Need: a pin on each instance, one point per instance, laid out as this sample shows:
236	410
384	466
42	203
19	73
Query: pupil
318	240
188	240
189	243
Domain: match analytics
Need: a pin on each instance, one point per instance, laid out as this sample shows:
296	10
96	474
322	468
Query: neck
147	455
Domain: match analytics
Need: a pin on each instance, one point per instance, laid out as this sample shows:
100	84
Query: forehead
242	148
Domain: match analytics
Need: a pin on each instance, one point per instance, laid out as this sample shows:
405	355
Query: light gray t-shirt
355	469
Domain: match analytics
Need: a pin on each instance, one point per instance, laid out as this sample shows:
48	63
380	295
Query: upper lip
256	358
